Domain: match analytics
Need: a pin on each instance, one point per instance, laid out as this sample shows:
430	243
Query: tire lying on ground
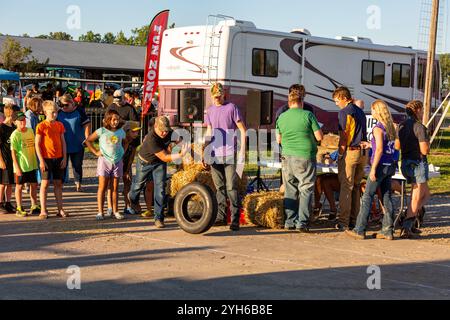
195	208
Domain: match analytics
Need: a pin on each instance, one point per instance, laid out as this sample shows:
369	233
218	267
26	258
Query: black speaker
259	108
191	104
266	108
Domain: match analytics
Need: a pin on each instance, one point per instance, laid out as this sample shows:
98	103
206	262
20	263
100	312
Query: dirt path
133	260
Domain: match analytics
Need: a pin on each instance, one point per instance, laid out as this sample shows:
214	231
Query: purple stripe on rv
287	45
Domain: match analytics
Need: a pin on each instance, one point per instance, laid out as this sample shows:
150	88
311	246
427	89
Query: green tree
15	57
122	39
60	36
13	54
109	37
43	36
140	36
90	36
445	70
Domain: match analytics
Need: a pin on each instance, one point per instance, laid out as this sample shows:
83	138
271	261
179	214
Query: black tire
195	217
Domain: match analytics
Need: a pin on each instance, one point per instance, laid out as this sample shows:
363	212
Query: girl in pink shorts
110	160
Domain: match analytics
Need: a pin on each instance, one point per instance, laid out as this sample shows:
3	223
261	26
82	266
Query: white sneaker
109	213
100	217
119	216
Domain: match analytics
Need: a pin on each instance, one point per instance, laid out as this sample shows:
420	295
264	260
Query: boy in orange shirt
51	150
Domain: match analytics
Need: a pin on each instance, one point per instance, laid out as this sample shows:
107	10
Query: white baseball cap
118	93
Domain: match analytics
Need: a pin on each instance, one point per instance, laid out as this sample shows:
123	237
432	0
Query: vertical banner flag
154	42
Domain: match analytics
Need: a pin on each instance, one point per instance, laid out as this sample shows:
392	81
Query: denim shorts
416	172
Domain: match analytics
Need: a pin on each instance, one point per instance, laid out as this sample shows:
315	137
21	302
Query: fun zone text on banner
154	42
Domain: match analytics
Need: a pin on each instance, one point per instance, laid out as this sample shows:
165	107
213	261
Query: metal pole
435	114
430	63
438	128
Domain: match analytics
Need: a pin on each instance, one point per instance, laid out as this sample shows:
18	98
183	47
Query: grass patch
440	157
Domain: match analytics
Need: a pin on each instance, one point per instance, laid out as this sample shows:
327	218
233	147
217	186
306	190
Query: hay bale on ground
198	174
265	209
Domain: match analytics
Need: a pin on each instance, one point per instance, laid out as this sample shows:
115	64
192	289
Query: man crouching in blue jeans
152	162
298	133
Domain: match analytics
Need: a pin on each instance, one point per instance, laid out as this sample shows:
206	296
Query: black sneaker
408	234
407	227
235	227
10	208
3	209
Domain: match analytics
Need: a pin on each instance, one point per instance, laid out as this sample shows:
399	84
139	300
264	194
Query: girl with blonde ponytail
382	170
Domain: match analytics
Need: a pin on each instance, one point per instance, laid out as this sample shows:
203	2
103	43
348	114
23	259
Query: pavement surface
131	259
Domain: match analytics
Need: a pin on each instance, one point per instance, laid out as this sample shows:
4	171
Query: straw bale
265	209
198	174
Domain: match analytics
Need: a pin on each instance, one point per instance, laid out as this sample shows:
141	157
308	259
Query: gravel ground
131	259
437	221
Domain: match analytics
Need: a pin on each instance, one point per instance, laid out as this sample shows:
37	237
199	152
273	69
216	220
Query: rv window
401	75
265	63
373	73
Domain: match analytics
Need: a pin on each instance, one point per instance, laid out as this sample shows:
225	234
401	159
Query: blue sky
399	23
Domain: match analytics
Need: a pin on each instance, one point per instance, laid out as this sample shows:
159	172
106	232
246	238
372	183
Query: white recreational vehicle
258	66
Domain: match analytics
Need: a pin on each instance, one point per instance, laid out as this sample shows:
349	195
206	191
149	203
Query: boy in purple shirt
223	119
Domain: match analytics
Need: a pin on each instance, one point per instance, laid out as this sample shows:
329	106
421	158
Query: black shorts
7	175
27	177
53	171
127	158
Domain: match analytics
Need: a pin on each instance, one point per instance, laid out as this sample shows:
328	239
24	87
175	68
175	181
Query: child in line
51	151
25	165
132	130
110	160
6	163
34	113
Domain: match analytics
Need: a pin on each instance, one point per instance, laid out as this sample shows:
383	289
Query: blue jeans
150	172
384	179
299	176
226	181
77	165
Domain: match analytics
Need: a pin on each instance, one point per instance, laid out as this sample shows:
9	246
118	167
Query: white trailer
246	59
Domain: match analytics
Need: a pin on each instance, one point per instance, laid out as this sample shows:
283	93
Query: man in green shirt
298	133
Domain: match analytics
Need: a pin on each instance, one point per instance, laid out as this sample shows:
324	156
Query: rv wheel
195	208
